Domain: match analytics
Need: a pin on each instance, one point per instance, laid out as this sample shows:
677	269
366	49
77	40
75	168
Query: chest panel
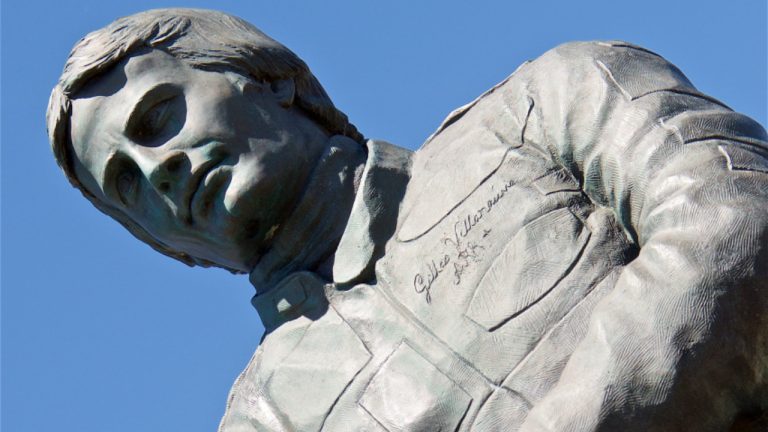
485	279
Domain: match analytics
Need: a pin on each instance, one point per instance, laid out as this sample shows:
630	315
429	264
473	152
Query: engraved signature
423	284
466	256
464	253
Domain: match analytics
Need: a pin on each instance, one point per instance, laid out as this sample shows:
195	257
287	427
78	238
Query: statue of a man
584	247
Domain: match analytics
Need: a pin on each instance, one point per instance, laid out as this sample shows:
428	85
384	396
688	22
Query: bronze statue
584	247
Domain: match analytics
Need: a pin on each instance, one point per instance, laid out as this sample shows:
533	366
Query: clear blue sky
99	333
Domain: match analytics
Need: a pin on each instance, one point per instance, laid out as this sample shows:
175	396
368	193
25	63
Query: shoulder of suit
587	49
590	54
633	70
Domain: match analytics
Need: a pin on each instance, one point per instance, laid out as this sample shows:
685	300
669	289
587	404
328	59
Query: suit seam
352	380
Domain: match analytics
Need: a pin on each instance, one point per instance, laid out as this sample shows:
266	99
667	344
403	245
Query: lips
205	195
194	184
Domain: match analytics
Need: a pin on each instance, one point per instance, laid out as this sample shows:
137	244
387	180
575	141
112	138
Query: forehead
101	108
143	65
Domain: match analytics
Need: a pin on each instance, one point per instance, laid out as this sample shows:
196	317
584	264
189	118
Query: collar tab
299	294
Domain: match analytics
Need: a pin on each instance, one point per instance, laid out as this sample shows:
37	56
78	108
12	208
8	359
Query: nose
173	172
169	171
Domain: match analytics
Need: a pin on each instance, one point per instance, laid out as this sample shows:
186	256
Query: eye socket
122	179
153	121
127	186
159	115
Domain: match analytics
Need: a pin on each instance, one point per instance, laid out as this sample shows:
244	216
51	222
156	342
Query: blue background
99	333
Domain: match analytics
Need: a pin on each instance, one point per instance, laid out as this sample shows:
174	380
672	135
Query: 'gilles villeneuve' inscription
462	253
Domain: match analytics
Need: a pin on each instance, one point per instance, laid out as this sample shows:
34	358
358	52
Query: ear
245	85
284	90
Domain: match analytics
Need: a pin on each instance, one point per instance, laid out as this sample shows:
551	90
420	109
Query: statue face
203	163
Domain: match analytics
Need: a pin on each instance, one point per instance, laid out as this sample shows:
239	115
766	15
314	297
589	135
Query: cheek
249	183
266	182
207	122
210	112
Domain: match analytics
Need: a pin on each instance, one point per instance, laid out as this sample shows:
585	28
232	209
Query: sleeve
681	343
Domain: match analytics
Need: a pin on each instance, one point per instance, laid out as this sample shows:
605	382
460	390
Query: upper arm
688	179
618	116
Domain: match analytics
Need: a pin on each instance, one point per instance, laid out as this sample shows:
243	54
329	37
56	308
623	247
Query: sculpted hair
204	39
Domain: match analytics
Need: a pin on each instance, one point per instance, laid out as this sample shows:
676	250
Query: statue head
191	128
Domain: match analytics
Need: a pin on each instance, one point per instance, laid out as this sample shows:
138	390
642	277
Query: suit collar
308	237
371	223
374	212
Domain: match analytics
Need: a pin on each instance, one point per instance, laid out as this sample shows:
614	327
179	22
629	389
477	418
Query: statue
584	247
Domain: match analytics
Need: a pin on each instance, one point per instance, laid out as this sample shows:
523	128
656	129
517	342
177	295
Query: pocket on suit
308	382
410	394
539	256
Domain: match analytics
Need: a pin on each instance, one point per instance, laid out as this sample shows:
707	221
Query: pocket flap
536	259
742	159
410	394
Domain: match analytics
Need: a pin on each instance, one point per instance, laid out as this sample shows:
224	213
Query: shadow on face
207	163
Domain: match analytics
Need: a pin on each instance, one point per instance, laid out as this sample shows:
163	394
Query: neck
309	237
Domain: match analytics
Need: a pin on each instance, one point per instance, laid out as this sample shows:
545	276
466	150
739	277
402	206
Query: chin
245	244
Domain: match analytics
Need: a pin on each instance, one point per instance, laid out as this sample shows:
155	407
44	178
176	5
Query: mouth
195	184
208	189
